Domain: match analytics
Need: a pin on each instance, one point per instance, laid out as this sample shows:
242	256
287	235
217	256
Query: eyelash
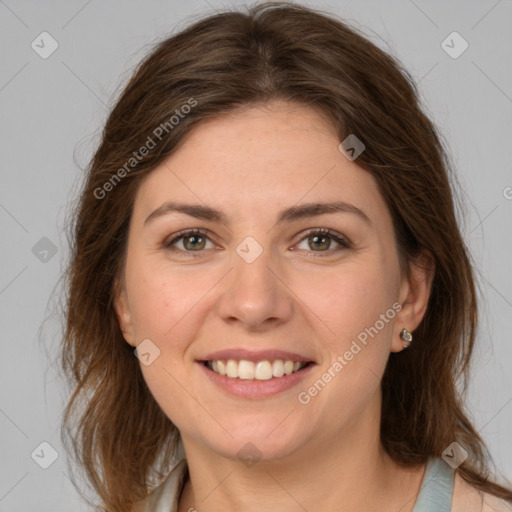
343	242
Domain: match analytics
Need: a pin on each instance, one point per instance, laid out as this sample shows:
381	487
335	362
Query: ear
123	312
414	296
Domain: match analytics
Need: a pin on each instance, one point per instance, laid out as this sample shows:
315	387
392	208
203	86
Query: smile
258	370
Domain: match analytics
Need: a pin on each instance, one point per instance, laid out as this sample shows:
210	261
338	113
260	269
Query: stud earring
406	336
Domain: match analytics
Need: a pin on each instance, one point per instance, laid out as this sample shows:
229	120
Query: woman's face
262	284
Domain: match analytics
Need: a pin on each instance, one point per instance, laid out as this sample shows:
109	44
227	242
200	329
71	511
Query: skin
251	164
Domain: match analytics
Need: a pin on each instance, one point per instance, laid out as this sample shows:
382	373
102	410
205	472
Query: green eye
318	241
192	241
321	239
195	242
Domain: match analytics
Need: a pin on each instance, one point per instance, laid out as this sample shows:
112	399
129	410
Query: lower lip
256	389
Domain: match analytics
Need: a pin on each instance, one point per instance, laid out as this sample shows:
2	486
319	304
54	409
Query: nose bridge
251	271
254	292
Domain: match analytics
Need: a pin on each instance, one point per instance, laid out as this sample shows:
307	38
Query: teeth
278	368
262	370
248	370
232	369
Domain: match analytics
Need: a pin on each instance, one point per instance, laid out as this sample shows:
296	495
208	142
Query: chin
260	444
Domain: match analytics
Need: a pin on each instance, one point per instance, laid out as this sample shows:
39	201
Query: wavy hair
112	425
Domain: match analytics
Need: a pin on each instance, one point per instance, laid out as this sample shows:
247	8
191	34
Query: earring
406	336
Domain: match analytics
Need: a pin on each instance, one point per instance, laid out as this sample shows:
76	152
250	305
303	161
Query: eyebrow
291	214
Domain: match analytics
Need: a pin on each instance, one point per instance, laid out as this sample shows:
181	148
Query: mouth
255	380
251	374
261	370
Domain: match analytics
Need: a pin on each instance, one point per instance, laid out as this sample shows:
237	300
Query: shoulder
164	497
467	498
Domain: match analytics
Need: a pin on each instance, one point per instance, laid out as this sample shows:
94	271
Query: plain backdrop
52	112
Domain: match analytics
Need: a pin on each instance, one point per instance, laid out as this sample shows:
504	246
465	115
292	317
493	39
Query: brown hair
118	432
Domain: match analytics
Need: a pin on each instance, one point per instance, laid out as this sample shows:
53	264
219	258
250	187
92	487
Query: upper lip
255	355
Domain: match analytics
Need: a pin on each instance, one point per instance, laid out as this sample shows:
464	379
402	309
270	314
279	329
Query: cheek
353	307
168	308
351	300
353	318
165	302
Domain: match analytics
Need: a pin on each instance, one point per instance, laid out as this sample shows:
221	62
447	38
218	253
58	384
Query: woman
268	226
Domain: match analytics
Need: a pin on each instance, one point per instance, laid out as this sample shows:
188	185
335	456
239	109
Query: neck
346	472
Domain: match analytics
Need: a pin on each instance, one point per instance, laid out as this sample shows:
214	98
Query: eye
196	240
193	240
322	238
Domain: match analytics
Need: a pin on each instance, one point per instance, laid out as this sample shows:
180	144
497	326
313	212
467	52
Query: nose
255	295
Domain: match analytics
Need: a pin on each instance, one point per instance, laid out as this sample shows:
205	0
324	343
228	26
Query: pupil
316	238
194	240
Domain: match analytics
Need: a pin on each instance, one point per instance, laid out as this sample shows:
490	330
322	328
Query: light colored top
442	490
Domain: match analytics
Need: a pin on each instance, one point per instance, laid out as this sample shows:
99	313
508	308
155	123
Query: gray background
52	114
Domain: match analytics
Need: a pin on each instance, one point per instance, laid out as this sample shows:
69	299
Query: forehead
258	160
